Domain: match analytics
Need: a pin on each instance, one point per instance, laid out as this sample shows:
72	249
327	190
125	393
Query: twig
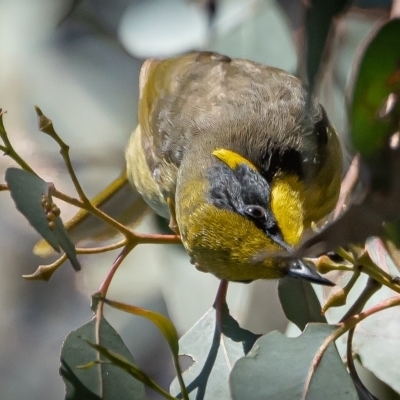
395	11
93	210
347	186
45	272
101	249
370	289
8	149
365	264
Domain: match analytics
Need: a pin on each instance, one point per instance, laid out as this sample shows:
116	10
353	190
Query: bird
239	157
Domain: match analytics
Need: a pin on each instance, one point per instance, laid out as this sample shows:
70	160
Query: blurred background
79	61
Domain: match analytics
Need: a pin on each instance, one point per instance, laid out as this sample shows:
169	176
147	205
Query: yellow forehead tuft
287	206
232	159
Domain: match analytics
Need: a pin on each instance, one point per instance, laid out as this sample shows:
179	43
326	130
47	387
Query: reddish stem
157	238
220	300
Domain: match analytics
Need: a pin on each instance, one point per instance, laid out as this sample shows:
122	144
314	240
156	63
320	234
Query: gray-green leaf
101	381
213	354
299	302
278	368
27	191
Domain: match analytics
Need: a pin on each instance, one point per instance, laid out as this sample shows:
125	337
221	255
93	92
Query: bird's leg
172	219
220	302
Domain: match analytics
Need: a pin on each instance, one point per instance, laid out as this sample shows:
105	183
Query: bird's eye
256	212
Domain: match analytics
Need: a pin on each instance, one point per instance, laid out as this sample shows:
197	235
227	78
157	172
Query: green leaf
299	302
27	191
392	230
279	368
214	355
378	76
103	381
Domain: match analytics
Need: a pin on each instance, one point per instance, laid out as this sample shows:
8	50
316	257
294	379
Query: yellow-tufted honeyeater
239	158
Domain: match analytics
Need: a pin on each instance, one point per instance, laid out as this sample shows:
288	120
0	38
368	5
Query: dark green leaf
213	354
392	230
103	381
120	361
27	191
377	77
278	368
65	243
299	302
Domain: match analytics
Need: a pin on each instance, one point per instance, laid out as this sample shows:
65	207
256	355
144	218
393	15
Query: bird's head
242	216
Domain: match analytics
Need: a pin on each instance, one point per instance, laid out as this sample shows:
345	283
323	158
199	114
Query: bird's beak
301	270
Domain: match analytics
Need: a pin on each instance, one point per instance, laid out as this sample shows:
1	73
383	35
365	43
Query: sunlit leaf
213	354
374	341
102	381
281	368
376	337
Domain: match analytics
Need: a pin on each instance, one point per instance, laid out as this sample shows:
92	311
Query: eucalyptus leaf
101	381
281	368
27	191
376	337
376	78
299	302
374	341
214	355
